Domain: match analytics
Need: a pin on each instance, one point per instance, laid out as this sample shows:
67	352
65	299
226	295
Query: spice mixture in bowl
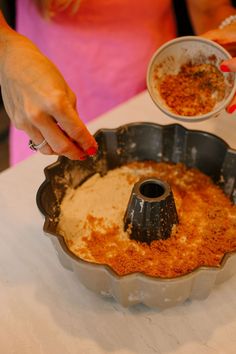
184	79
84	204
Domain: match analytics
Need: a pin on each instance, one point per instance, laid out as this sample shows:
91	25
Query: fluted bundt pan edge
139	142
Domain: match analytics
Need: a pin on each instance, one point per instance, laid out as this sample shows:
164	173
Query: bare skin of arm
38	100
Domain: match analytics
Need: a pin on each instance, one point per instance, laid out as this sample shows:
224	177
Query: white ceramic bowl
169	58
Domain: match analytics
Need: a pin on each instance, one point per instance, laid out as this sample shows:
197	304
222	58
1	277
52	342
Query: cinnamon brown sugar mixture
195	90
91	222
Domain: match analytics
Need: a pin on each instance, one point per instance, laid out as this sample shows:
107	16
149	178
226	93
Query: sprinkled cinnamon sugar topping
91	222
195	90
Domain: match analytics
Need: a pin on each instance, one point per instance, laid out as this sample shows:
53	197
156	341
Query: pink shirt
102	52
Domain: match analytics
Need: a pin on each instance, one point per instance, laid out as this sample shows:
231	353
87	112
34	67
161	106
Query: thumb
228	65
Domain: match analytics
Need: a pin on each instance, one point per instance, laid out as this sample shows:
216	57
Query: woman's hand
39	101
227	66
225	37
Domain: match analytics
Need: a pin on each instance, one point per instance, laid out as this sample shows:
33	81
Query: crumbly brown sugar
91	222
195	90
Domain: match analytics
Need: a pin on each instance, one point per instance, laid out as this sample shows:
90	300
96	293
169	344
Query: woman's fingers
59	142
37	138
68	119
230	66
232	106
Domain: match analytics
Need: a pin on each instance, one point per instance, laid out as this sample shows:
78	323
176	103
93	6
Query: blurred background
8	9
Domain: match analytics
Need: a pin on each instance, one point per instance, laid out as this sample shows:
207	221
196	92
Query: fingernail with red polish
231	109
91	151
224	68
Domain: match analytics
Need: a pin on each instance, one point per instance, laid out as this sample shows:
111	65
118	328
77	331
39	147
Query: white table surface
44	308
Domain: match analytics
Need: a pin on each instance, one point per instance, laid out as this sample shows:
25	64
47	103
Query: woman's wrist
227	21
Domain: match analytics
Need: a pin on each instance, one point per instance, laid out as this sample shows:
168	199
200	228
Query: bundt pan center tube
151	211
142	142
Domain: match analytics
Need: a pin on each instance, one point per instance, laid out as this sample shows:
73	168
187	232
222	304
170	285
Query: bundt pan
139	142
